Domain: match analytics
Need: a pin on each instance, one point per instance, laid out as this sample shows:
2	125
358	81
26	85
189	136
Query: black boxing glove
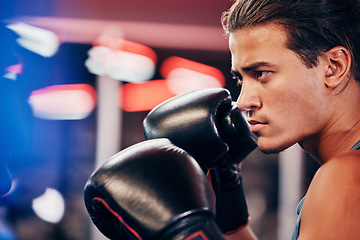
152	190
207	124
231	207
204	123
226	179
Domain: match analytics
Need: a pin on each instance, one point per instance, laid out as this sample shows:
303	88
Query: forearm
245	233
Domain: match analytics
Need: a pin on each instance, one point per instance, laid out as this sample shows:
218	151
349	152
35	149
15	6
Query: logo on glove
197	236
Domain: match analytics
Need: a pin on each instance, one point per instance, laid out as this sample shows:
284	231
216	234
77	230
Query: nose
248	99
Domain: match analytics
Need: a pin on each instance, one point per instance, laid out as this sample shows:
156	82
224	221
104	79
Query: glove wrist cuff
239	228
231	209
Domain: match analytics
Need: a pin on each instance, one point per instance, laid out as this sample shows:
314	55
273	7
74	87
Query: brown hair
313	26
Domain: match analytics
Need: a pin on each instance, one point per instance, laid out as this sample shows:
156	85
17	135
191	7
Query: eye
260	74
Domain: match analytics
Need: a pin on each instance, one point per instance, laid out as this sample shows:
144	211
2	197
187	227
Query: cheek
297	110
298	92
287	99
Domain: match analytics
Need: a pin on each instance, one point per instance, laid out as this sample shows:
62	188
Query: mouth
256	126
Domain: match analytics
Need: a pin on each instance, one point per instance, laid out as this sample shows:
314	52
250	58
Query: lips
256	126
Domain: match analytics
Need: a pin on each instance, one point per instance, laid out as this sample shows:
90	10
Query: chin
273	147
271	151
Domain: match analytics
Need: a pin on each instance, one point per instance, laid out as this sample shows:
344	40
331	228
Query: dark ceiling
160	23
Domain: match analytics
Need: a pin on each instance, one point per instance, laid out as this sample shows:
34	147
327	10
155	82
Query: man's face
285	99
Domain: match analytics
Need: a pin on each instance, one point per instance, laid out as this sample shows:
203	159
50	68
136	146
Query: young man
298	66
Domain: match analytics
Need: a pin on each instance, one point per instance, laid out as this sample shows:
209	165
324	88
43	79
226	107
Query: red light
144	96
181	75
121	60
71	101
173	63
126	46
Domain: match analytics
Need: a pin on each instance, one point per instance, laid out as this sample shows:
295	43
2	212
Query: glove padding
205	123
152	190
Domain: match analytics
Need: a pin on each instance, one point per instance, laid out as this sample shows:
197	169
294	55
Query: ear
338	66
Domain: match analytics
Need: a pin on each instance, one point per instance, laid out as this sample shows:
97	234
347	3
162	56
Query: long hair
312	26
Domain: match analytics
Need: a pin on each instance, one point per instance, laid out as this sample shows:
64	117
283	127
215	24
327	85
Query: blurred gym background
77	79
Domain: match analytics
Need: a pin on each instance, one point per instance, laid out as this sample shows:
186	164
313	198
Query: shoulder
340	172
345	165
331	208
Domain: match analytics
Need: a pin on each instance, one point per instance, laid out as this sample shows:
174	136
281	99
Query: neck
336	143
342	133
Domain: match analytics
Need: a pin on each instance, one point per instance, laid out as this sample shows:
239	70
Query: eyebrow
249	68
256	65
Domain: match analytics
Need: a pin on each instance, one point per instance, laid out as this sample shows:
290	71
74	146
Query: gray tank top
299	206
